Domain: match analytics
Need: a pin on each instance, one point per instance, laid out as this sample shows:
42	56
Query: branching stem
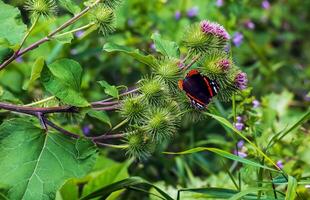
50	36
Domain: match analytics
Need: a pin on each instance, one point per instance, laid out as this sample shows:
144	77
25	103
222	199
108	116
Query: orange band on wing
191	97
180	84
192	72
209	87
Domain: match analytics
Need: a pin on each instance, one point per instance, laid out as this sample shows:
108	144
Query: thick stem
58	128
106	136
48	37
34	111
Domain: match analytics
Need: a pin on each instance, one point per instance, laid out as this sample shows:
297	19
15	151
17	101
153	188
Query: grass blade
291	188
223	154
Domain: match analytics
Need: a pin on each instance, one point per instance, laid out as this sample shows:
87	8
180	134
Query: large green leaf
62	78
12	28
34	164
148	60
112	174
224	154
104	192
166	47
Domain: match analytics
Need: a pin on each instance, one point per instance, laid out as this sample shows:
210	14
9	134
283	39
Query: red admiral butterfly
199	88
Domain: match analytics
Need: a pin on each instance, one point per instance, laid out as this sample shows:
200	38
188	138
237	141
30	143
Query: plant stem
113	107
28	33
191	63
122	94
74	30
33	111
48	37
41	101
106	136
58	128
120	124
112	145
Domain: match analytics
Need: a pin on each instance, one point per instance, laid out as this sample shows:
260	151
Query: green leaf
34	164
109	89
62	78
112	174
8	96
70	5
218	193
100	115
291	188
104	192
148	60
12	27
64	39
35	72
166	47
224	154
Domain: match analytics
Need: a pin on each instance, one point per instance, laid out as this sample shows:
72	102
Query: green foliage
12	28
36	164
166	47
62	78
109	89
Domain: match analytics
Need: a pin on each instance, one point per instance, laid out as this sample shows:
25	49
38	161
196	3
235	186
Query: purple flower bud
280	164
240	154
79	34
265	4
86	129
241	80
224	64
249	24
192	12
219	3
307	97
239	126
152	46
237	39
181	64
177	15
240	144
255	103
19	59
239	119
214	28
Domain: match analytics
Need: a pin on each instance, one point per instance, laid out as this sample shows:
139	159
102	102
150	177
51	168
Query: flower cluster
155	112
37	8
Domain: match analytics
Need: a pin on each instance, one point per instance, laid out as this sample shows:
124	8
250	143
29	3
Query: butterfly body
198	88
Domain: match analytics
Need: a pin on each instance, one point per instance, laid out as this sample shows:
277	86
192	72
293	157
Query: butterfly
198	88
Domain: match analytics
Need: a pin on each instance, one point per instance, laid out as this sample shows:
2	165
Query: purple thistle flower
239	119
19	59
219	3
152	46
240	144
237	39
249	24
280	164
177	15
224	64
255	103
79	34
265	4
239	126
241	80
214	28
192	12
